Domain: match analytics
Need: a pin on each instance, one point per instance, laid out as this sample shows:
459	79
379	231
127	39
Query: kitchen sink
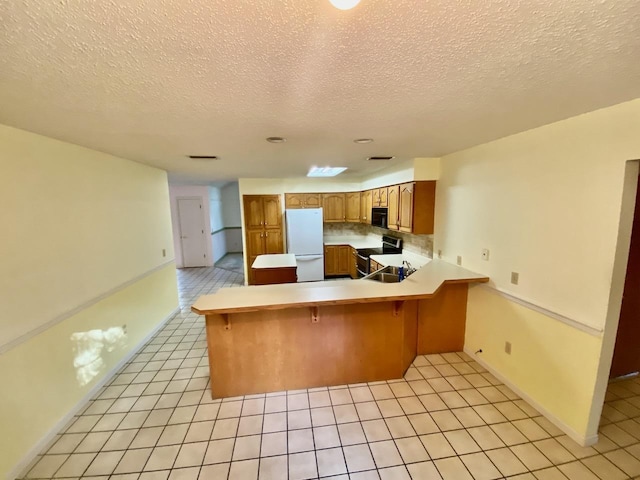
385	275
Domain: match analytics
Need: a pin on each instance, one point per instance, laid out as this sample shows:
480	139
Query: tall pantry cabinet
263	226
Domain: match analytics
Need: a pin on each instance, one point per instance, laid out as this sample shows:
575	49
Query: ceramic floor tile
437	445
424	471
133	460
358	458
624	461
326	437
75	465
300	440
219	451
345	413
452	469
394	473
351	433
603	468
244	470
273	468
411	450
480	467
506	461
331	462
302	466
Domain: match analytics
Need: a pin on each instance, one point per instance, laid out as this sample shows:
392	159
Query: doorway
192	227
626	354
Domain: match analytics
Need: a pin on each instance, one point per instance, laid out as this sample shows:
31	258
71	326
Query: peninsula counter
291	336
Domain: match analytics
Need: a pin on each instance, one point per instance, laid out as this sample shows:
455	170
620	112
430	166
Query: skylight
325	171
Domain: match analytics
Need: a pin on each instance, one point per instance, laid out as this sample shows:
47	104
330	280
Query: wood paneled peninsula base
284	337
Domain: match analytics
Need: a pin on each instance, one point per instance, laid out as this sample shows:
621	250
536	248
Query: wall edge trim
582	440
69	313
37	448
596	332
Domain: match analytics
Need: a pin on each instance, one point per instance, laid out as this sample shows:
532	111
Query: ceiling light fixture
276	139
203	157
363	140
325	171
344	4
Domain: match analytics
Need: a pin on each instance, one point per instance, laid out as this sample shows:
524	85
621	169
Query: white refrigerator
304	240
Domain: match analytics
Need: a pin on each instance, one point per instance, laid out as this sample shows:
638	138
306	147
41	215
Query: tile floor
447	419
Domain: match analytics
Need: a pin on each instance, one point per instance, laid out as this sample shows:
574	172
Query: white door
192	237
310	268
304	231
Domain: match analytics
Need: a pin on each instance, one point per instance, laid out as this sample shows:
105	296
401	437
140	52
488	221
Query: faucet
408	268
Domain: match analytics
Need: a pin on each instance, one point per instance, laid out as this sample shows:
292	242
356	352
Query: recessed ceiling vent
380	158
203	157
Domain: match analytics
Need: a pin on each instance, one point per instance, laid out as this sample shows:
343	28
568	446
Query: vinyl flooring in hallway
446	419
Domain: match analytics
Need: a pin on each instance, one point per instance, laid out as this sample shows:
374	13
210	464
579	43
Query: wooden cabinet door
253	211
255	243
330	260
383	192
272	211
353	263
405	222
333	207
312	200
365	211
353	207
375	197
294	200
393	201
344	254
273	240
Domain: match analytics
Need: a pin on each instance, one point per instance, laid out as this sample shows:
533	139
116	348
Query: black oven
379	217
390	245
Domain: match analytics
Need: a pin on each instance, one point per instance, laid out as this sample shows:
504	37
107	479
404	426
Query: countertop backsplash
420	244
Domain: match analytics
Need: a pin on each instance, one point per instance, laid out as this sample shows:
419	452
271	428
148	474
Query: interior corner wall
547	204
82	255
232	217
190	191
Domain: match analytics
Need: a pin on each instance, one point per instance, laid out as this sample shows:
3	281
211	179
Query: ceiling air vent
203	157
379	158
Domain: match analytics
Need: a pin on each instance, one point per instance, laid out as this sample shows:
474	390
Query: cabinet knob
266	234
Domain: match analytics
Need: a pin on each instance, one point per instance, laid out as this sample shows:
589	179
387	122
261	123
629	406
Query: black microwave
379	217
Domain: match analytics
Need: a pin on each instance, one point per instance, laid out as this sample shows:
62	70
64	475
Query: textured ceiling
156	80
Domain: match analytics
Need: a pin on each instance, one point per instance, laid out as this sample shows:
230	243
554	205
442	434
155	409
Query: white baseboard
571	433
46	439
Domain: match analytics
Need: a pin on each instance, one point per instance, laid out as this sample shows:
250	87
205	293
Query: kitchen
334	234
402	301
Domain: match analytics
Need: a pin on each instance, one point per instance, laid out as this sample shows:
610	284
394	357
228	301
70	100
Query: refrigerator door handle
308	258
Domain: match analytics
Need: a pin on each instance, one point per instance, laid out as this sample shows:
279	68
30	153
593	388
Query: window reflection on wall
89	349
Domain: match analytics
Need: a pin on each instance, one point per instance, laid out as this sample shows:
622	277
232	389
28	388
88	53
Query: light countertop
422	284
416	260
277	260
355	241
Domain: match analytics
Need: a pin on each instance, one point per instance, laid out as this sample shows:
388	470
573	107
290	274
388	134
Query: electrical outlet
439	253
459	261
164	252
485	254
515	276
507	348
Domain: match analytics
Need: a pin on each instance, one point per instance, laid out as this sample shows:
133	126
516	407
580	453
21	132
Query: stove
390	245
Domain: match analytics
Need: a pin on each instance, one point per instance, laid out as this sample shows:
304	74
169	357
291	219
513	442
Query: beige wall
547	204
82	251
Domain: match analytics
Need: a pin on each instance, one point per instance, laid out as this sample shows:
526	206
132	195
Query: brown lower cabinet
337	259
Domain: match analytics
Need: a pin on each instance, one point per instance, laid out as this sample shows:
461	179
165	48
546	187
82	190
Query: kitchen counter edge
424	283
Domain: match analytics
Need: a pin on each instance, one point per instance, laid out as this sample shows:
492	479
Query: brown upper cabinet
352	209
366	203
302	200
262	211
379	197
393	203
410	205
417	207
333	207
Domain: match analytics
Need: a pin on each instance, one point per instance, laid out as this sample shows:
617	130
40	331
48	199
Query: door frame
619	272
207	250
